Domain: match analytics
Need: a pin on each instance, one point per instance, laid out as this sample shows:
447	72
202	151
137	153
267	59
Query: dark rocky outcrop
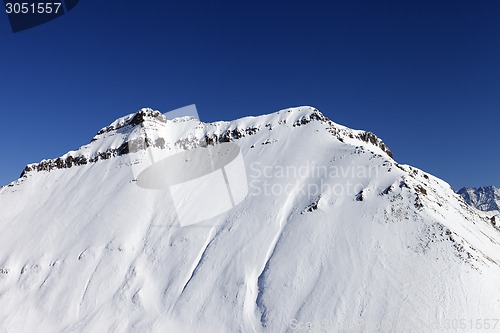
369	137
228	135
365	136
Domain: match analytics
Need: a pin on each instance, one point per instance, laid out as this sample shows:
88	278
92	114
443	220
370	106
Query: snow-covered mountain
483	198
333	236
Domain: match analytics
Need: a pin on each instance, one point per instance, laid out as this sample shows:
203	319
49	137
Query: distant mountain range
483	198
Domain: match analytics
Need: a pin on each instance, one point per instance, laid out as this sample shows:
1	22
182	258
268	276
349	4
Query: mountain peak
331	227
485	198
187	133
134	119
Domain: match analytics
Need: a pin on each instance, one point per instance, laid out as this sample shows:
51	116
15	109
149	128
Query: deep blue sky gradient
422	75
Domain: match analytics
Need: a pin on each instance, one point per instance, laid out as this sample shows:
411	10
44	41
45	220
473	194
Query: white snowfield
334	236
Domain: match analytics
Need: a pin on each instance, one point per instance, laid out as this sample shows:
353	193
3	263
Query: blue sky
422	75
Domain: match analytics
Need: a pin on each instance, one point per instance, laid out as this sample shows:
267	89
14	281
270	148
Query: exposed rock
232	134
482	198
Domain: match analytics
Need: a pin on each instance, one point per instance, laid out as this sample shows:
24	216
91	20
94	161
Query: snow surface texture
333	235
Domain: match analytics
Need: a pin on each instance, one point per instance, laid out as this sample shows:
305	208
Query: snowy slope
334	235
